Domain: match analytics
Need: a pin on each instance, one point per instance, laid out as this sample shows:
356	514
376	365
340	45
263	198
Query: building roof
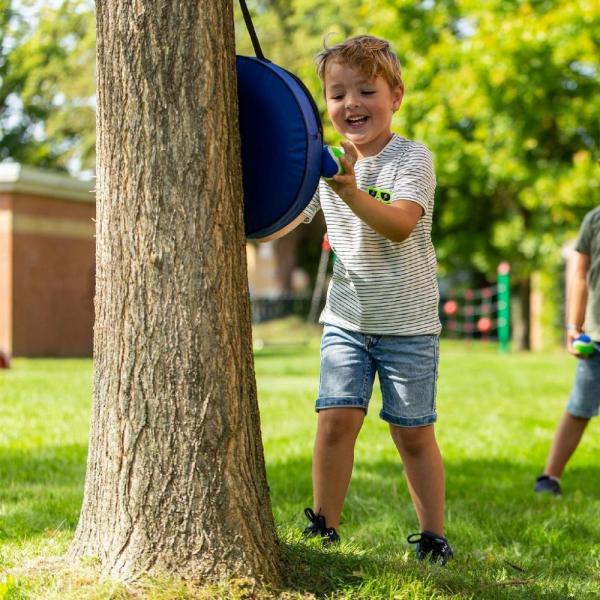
42	182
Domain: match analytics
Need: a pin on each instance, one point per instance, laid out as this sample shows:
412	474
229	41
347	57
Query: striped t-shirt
381	287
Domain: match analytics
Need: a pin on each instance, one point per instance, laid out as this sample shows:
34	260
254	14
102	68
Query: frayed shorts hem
408	422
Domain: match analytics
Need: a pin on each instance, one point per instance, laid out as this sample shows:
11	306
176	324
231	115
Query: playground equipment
482	313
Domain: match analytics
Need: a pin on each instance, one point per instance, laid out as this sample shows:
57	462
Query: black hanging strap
250	27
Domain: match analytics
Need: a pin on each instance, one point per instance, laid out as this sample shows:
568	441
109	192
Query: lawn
497	414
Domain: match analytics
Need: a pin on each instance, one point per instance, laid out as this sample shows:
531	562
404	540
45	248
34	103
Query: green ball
336	153
583	347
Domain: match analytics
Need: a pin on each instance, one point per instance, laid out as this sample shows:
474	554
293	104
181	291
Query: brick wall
47	258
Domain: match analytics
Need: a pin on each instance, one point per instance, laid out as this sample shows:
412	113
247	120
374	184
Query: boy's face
359	108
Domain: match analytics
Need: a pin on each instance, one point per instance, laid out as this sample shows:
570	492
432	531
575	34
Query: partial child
583	312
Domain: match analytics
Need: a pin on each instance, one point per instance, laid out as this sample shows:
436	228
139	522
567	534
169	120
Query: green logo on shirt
384	196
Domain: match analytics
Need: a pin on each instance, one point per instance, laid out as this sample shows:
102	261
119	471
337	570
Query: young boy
584	303
381	313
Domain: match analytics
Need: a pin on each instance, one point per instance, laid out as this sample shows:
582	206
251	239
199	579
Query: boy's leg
407	368
566	439
333	458
346	383
583	404
424	472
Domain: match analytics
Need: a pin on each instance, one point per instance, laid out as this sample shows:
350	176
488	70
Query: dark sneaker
545	483
429	544
318	527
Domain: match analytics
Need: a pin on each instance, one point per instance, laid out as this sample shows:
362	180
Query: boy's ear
397	95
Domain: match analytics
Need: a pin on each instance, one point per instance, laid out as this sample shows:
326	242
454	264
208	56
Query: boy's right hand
345	185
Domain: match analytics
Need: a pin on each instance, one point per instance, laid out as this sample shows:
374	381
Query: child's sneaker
317	523
548	484
436	546
318	526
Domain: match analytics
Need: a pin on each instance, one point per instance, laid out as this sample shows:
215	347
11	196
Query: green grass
496	418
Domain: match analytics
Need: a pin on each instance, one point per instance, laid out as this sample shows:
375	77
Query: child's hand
345	185
572	335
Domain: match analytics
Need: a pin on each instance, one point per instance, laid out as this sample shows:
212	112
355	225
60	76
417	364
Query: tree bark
175	480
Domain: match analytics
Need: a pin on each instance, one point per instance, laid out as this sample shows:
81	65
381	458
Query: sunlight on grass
496	412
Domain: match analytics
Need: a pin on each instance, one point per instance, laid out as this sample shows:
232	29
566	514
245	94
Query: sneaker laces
417	538
319	526
427	543
317	522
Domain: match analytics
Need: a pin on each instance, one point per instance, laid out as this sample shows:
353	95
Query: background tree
175	479
47	55
508	100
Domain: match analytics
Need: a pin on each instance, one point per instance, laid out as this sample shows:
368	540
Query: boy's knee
412	440
336	426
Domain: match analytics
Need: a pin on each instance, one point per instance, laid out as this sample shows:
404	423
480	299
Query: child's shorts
407	367
585	395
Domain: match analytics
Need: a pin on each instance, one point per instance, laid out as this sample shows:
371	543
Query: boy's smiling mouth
357	121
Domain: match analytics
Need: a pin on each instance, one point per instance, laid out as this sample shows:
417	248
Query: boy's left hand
345	185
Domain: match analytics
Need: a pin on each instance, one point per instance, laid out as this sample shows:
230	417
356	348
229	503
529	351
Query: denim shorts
585	395
407	367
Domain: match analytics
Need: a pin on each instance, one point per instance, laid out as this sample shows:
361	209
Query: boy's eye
337	97
368	92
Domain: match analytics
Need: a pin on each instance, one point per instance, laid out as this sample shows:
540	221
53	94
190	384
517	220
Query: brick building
47	258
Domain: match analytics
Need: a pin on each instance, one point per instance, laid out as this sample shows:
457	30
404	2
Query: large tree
175	477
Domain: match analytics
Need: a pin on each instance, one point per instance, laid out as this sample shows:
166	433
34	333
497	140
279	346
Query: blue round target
282	145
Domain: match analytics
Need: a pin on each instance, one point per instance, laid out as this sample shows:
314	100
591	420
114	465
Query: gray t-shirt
381	287
589	243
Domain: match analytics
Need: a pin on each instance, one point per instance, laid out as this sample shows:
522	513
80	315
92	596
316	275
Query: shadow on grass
310	569
345	574
508	541
503	533
479	484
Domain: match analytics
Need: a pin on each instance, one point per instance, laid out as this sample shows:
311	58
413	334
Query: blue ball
583	345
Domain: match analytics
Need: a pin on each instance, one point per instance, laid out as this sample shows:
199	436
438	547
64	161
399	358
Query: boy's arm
393	221
577	299
281	232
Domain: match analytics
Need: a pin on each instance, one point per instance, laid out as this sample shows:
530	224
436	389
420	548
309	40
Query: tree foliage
505	93
510	107
47	55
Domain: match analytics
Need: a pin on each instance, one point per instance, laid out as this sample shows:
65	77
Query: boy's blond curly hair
372	56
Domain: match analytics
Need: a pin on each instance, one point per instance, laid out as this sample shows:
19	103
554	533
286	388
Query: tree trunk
175	480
